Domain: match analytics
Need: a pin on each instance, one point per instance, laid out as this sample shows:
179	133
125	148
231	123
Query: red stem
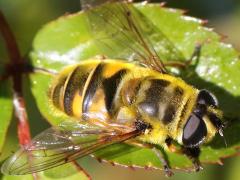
23	126
12	70
9	40
18	99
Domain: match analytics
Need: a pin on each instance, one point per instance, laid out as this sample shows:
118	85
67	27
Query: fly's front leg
191	153
171	147
182	65
160	154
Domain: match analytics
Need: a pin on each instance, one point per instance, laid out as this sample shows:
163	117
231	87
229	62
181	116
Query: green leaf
68	40
6	110
233	172
64	172
25	177
40	84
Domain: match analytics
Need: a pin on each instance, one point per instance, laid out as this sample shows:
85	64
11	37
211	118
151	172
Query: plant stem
12	70
9	40
15	60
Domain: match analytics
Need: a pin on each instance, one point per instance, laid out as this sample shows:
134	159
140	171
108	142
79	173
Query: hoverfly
117	101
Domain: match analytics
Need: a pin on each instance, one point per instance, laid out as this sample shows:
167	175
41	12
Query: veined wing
62	144
86	4
121	31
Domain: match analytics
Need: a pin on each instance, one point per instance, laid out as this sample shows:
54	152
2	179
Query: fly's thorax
162	101
166	100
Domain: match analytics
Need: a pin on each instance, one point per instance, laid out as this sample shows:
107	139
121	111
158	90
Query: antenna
220	131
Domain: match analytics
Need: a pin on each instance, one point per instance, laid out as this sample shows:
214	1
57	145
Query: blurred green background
27	17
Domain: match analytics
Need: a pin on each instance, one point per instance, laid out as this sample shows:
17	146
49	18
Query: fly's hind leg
182	65
160	154
163	158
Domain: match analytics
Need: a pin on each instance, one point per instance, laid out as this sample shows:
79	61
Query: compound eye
207	98
194	131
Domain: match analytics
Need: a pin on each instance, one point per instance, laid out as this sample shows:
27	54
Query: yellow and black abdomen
89	88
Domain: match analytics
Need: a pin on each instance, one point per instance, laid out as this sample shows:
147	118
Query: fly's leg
160	154
44	71
53	73
171	147
195	55
162	157
182	65
24	68
101	57
191	153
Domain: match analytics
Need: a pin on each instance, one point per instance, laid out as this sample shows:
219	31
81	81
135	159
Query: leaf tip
184	11
162	4
132	167
204	22
147	167
66	14
222	36
112	163
145	2
220	162
99	160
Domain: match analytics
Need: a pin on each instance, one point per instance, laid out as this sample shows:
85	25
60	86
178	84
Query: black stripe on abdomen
94	83
56	92
74	85
110	86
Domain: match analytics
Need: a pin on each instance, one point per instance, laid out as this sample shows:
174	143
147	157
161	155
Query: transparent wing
121	31
86	4
61	144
